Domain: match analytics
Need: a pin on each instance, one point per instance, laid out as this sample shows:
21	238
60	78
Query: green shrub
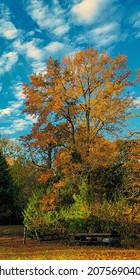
33	215
38	220
82	215
76	216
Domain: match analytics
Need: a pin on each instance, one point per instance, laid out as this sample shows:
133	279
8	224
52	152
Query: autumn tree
74	103
78	104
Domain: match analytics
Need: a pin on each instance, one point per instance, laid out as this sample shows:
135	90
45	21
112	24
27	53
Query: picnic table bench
96	238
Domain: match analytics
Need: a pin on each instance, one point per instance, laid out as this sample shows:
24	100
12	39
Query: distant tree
11	148
25	180
6	190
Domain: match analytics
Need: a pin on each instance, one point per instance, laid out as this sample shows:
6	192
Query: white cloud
30	33
54	47
6	111
13	108
6	131
87	11
137	102
11	116
7	61
7	28
39	67
105	35
4	11
60	30
16	104
31	119
135	22
18	89
107	28
30	49
47	18
58	49
37	11
17	125
135	19
38	54
137	35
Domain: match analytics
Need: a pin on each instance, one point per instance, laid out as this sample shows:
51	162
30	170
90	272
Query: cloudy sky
33	30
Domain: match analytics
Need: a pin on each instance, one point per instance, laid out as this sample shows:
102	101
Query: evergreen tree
5	190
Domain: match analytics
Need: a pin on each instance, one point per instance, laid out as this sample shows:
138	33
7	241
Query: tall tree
76	103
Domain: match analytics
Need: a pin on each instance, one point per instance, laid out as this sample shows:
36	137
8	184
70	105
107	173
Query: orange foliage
138	74
10	160
75	103
45	176
50	200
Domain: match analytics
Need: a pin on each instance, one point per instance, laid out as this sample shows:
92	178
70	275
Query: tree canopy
77	103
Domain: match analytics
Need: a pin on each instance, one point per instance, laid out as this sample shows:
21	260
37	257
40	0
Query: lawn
12	248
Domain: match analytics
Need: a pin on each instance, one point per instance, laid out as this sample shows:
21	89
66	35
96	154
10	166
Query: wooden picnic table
95	238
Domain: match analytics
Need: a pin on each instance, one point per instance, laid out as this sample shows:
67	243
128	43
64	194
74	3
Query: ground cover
12	248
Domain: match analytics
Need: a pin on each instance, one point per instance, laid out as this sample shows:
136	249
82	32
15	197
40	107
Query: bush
64	219
33	216
81	215
117	215
38	220
76	216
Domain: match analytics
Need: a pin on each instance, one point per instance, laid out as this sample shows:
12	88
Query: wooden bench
95	238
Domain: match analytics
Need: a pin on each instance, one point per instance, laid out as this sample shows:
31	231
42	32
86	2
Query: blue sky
33	30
